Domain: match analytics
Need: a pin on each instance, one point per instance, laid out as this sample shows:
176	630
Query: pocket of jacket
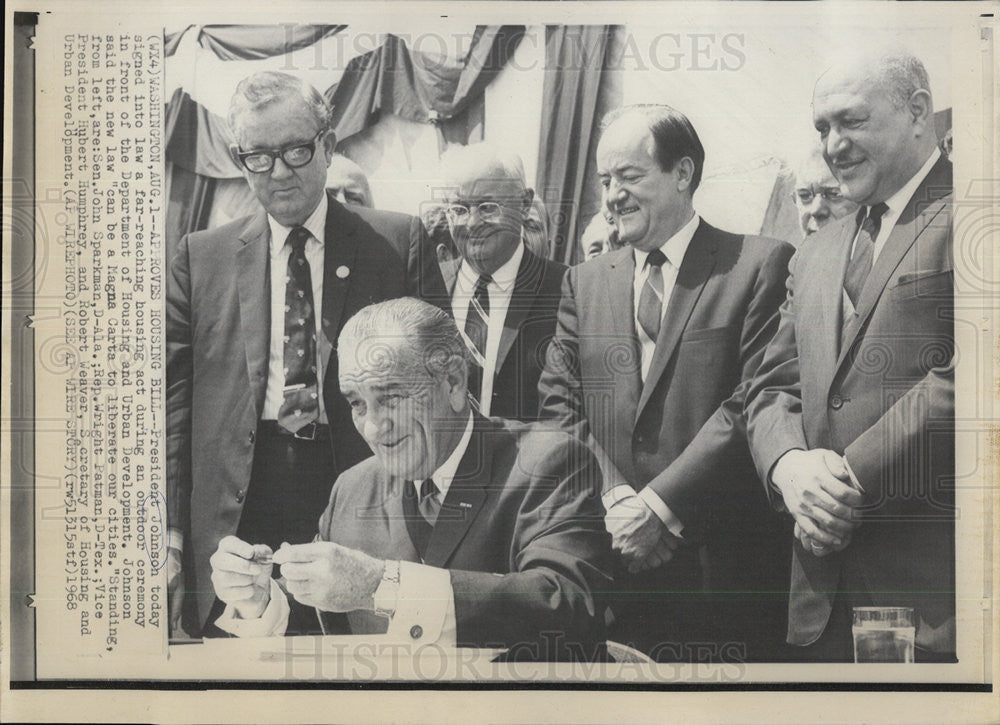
923	284
710	333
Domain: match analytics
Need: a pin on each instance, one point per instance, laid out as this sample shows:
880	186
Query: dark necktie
860	265
300	406
650	299
476	327
429	503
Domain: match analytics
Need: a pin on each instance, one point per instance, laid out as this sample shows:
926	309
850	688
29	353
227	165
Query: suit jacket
885	399
682	431
218	337
527	331
521	531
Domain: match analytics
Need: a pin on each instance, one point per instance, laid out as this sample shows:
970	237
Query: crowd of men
703	445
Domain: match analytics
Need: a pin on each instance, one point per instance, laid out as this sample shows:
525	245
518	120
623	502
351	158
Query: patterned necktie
476	327
864	252
429	504
650	300
301	404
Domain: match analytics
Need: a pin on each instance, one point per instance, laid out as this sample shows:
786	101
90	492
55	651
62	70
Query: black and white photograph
445	350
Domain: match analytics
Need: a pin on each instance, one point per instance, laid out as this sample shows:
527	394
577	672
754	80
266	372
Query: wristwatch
387	593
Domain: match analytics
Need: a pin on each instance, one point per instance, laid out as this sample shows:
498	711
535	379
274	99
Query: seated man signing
463	530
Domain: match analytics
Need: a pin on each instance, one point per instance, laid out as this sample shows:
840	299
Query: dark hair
673	136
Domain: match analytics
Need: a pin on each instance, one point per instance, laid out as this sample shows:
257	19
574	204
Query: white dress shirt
280	252
500	291
896	203
425	596
674	250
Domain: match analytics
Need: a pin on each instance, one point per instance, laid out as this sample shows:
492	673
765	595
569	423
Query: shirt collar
898	201
316	224
445	473
503	277
674	248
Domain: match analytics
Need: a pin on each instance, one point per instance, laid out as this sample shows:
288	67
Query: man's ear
529	196
234	150
329	145
685	172
920	107
457	380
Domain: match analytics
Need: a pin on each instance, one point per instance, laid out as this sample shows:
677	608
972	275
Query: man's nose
835	143
280	170
341	196
376	426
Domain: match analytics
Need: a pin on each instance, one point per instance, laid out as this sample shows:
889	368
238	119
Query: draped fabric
576	57
417	86
253	42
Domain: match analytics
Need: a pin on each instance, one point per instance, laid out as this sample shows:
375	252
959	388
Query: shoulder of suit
540	444
231	231
379	217
753	246
359	479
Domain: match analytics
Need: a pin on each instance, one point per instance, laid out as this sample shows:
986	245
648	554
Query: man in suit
256	428
851	418
654	344
817	195
503	296
461	530
348	183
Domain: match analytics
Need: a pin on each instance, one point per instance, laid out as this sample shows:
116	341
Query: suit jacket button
416	631
240	496
836	402
252	437
640	438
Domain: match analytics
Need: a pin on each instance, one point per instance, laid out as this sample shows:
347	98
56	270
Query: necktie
650	299
476	327
864	252
429	504
300	406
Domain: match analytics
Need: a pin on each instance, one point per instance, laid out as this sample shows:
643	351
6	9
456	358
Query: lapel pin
343	271
465	504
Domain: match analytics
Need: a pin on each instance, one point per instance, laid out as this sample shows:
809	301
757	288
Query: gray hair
462	164
265	88
406	336
904	75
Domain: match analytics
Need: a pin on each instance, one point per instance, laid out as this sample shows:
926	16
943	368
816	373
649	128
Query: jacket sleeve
773	403
552	603
707	462
179	384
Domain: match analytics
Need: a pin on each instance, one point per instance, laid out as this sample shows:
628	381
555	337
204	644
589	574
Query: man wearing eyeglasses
817	194
503	296
257	431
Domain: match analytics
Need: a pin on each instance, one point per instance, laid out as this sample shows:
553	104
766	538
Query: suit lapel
922	207
255	310
339	253
466	494
830	278
526	286
699	260
622	324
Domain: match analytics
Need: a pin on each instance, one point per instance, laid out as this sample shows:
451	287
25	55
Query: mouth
846	166
283	193
393	445
625	211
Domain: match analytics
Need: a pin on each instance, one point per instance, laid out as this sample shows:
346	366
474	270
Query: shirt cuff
617	494
854	479
425	608
272	623
653	500
175	539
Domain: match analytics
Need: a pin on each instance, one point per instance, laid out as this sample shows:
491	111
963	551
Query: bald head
348	182
874	115
817	194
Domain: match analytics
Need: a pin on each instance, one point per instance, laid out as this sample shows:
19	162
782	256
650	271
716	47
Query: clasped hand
322	574
638	536
818	493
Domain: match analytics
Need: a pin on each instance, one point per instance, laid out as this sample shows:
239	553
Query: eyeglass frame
825	193
491	218
273	154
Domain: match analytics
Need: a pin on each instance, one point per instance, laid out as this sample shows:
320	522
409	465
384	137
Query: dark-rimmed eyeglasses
830	193
489	211
296	155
